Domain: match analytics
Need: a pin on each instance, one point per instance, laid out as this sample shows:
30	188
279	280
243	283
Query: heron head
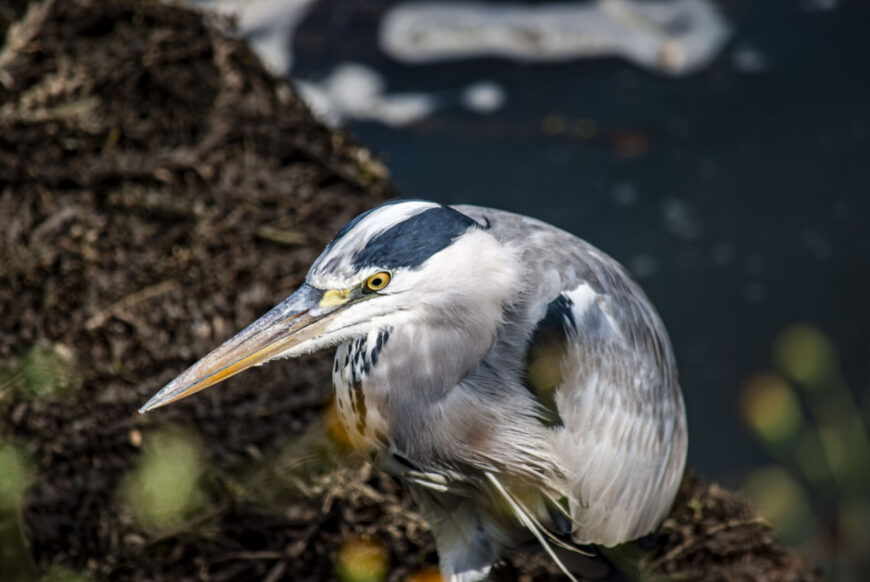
403	263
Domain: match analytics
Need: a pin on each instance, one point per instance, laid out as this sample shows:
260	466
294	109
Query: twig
261	555
189	525
121	305
19	35
693	540
276	572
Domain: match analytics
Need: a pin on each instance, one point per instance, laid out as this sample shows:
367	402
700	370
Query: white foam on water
673	37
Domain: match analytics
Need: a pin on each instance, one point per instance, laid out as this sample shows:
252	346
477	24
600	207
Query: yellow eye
376	282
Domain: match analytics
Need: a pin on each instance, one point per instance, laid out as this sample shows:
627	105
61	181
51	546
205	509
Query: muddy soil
158	191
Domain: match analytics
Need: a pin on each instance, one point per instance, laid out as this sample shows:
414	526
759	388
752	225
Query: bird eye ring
376	282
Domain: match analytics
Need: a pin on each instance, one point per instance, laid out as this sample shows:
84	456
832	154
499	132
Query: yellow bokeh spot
362	559
770	408
553	125
805	353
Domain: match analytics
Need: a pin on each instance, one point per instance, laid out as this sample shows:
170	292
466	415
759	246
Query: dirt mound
158	191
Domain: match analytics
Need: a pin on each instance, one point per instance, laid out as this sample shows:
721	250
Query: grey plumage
513	375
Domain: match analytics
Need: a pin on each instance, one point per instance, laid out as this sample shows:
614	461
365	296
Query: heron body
514	376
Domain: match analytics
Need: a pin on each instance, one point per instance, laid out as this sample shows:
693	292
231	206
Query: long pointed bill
299	318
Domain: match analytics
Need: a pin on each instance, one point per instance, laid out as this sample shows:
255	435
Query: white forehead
385	217
334	267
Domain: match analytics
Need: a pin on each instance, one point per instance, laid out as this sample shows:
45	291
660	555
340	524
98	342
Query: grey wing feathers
623	438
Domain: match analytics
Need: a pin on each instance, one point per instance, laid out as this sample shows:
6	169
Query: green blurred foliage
165	488
59	574
40	372
16	475
806	355
818	494
783	501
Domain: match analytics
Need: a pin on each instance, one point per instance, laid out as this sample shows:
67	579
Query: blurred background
719	150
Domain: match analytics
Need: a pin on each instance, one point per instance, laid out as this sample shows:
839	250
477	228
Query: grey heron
512	375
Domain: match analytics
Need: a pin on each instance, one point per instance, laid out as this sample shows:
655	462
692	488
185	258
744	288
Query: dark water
740	200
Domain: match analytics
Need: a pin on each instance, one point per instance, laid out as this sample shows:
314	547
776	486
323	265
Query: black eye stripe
412	241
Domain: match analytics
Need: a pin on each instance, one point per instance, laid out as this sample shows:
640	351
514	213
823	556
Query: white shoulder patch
582	298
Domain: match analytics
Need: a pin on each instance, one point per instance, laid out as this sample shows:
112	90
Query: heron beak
301	317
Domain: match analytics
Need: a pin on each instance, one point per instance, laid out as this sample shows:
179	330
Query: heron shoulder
600	365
